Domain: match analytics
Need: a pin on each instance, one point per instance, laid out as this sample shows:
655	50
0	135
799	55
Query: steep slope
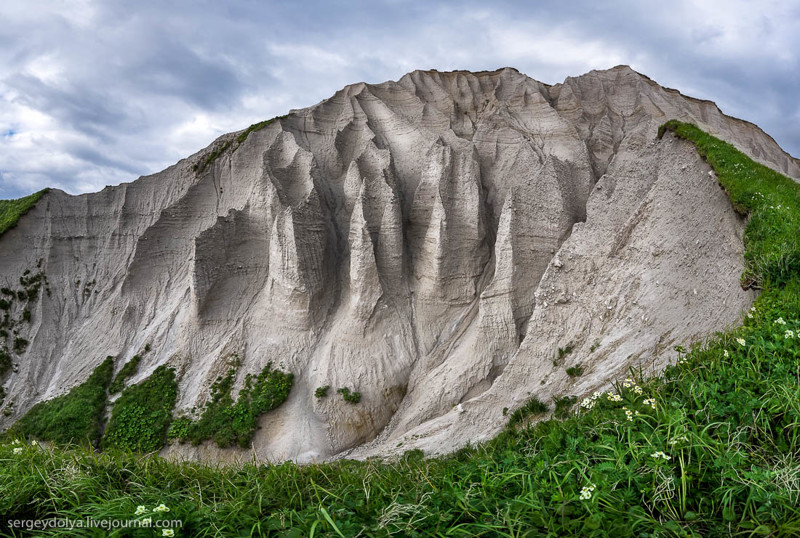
428	242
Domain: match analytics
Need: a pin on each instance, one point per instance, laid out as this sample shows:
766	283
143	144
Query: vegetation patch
575	371
230	422
563	405
12	210
564	351
257	127
73	417
214	154
349	396
142	414
532	408
321	392
128	370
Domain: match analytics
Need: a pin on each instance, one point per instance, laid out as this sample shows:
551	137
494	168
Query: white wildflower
587	403
788	334
140	510
586	492
161	508
780	321
741	342
18	450
725	354
651	402
661	455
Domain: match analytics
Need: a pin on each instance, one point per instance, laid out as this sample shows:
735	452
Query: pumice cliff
431	243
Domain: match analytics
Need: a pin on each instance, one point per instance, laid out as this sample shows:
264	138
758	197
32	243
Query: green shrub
128	370
532	408
575	371
5	361
563	352
563	405
322	392
20	345
142	414
348	396
230	422
73	417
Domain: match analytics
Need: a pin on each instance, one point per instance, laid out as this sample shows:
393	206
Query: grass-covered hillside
12	210
711	448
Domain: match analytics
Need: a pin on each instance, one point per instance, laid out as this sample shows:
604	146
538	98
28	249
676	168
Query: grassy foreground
711	448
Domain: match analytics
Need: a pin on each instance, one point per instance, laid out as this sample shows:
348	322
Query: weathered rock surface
428	242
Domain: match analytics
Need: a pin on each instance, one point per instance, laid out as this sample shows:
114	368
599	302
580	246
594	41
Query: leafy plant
349	396
575	371
321	392
563	352
142	414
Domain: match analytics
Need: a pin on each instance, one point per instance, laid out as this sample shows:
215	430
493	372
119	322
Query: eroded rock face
428	242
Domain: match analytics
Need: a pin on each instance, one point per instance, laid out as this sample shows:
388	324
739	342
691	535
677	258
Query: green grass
72	417
710	448
142	414
12	210
532	408
257	127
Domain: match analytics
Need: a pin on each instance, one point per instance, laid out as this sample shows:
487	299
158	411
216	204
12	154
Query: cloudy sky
94	93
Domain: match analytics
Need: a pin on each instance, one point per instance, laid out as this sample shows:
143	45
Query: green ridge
12	210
